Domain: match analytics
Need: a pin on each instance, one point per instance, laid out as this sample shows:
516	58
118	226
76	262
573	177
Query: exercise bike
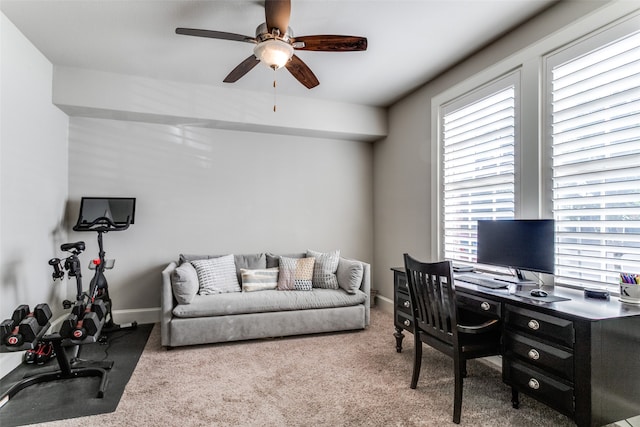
101	225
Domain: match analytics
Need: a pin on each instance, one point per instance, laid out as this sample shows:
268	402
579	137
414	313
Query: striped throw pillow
259	279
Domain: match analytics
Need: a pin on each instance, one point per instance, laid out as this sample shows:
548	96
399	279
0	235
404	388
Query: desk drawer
405	321
401	284
403	304
551	359
478	304
540	325
554	393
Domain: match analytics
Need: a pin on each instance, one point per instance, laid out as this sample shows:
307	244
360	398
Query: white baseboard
140	315
385	304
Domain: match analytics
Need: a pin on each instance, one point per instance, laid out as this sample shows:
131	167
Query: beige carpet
343	379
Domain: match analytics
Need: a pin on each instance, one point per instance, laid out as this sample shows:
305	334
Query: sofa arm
365	285
366	288
166	304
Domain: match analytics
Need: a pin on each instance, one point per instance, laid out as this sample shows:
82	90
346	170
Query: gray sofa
234	316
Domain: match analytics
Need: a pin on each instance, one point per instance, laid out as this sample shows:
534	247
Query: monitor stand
518	279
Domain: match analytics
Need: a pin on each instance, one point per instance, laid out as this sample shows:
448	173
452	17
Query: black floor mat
77	397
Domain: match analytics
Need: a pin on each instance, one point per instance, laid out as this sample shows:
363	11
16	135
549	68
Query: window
594	106
478	143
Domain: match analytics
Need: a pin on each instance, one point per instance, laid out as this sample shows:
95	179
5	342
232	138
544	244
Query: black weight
99	308
79	308
42	313
20	313
15	338
6	327
29	329
68	326
91	323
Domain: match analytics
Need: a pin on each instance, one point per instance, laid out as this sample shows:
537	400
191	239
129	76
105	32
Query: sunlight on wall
209	191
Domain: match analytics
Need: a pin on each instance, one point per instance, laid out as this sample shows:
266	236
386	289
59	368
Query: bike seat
78	246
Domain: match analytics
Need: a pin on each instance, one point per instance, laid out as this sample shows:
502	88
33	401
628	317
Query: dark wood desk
580	357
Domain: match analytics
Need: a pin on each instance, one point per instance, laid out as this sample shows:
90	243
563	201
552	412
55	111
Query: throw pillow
324	270
295	274
217	275
259	280
349	275
242	261
184	282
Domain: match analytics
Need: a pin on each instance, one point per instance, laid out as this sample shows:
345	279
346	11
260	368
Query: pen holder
629	291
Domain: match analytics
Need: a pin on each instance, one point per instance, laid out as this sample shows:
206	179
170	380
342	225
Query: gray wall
212	191
33	179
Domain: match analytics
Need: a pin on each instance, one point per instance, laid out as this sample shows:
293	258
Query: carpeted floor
343	379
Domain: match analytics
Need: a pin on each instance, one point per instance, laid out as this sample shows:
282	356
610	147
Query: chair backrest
432	298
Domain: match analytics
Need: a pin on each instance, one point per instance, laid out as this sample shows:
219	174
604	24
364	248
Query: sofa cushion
184	283
295	274
266	301
259	280
324	269
273	260
217	275
250	261
349	275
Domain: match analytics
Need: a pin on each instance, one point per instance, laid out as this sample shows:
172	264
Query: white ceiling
410	42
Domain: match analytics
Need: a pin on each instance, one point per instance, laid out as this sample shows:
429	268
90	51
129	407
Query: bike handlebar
101	224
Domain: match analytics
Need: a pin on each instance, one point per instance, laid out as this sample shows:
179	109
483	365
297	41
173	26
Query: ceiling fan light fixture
273	53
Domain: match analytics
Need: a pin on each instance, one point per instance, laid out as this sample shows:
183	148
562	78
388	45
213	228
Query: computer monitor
520	244
120	210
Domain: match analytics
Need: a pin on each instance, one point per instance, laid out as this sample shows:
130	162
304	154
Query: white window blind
478	170
595	135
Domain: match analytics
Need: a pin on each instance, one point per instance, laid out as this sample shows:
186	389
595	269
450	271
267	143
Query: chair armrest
487	326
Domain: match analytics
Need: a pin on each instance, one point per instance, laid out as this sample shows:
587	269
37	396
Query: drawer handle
406	304
407	323
485	306
534	384
533	354
406	285
533	324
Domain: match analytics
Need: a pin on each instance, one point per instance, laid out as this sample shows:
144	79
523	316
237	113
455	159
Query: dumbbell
79	329
79	308
8	325
22	328
69	324
42	313
98	306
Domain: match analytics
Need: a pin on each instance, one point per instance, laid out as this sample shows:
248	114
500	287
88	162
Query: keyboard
482	281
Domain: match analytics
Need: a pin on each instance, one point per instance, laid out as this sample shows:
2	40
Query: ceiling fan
275	44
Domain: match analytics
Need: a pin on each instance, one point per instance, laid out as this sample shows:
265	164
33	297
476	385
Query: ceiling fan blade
215	35
243	68
277	14
329	43
302	72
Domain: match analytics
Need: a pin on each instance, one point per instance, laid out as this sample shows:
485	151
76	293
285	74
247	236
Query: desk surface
577	306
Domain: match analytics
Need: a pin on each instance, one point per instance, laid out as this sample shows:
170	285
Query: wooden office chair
435	320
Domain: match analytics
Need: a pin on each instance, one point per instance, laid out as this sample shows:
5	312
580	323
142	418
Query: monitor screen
522	244
117	209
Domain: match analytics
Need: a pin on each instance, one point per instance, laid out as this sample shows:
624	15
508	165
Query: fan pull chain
274	90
